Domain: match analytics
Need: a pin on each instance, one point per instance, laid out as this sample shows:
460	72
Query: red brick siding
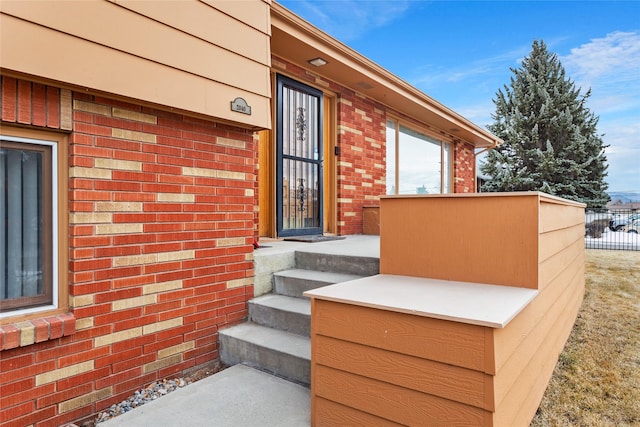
464	162
362	161
161	230
29	103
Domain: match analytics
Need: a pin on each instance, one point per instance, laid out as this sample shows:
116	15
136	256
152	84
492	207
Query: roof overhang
296	40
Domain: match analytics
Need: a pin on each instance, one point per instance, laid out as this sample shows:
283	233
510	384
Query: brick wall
361	165
161	212
464	162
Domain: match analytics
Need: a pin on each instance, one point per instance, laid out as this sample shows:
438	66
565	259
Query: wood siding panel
146	38
257	15
495	236
507	340
331	414
391	365
395	403
552	267
447	381
520	404
439	340
554	242
213	26
141	58
552	318
554	216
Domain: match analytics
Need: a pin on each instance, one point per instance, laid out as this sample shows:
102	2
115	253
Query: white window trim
54	226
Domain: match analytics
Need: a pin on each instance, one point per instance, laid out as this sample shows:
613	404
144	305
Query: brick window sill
28	332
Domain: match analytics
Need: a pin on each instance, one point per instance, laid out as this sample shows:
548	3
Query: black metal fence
615	229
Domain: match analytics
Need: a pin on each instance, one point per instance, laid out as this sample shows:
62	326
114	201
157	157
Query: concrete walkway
235	397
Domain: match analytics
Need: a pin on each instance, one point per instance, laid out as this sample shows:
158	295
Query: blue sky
460	53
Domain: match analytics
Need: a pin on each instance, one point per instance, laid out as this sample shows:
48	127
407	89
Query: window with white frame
416	163
29	225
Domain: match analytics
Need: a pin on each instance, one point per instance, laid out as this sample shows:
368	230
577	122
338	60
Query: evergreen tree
550	138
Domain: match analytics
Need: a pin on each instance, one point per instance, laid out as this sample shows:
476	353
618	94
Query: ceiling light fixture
317	62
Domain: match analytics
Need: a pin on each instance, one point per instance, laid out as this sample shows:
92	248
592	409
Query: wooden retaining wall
396	350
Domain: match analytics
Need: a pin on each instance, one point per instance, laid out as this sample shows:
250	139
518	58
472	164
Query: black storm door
299	125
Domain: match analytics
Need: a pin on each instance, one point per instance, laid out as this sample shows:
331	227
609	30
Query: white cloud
349	19
610	67
615	57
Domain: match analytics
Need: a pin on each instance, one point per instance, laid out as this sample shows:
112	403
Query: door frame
267	168
330	170
281	82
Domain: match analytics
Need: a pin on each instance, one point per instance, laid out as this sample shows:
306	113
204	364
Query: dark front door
299	125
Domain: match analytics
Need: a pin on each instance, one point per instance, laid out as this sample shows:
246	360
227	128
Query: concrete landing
237	396
354	245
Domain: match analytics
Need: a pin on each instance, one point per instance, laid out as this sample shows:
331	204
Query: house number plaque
239	105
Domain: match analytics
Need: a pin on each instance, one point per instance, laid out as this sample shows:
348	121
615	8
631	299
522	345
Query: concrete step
347	264
295	282
281	312
282	353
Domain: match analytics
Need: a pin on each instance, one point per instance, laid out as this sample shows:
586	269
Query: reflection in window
416	163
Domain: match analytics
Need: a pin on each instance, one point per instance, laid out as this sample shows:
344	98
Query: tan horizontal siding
93	22
392	364
78	43
438	379
520	404
553	266
507	340
208	23
554	242
254	13
440	340
331	414
550	317
554	216
403	406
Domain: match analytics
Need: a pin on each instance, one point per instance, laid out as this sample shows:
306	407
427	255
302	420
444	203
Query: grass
597	379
